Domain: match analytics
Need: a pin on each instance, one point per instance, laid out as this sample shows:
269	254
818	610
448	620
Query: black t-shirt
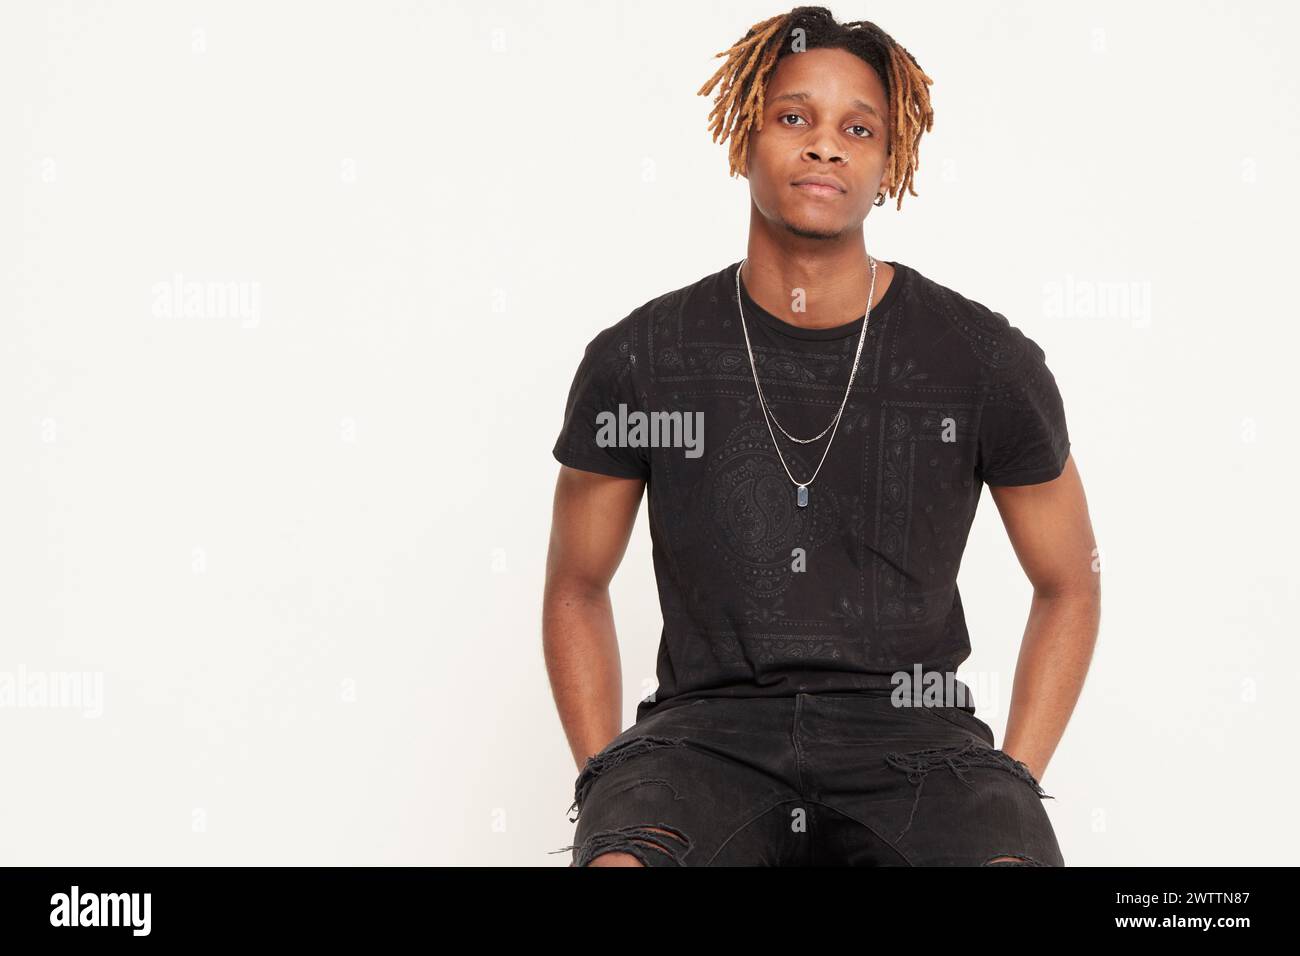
762	597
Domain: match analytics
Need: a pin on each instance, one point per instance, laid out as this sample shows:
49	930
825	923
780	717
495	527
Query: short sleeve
1023	439
603	393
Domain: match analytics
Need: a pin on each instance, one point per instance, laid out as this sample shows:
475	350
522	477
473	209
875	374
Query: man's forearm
1054	658
582	659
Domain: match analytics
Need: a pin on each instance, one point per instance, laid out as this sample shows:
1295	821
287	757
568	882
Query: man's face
825	114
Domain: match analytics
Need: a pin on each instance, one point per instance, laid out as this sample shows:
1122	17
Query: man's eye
785	116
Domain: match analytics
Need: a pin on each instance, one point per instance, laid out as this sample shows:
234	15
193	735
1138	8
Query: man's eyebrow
801	97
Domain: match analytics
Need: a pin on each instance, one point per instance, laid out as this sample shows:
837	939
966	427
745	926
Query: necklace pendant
802	499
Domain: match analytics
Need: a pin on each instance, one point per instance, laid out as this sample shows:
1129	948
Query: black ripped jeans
810	780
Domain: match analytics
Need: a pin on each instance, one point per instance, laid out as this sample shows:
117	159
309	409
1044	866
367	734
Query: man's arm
1052	536
591	524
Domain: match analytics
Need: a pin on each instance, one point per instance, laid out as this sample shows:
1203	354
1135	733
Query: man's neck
826	279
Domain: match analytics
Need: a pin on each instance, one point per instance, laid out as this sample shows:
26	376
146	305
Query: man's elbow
1076	588
565	594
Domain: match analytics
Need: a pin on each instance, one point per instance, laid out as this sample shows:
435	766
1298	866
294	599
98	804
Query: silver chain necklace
801	497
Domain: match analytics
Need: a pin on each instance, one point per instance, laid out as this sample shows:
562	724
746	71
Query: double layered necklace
801	488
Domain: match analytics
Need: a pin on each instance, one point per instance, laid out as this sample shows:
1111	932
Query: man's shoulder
707	291
970	328
663	315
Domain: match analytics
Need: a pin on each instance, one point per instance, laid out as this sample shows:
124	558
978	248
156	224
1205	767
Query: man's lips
817	185
817	189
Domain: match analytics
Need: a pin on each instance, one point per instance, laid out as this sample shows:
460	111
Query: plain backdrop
292	296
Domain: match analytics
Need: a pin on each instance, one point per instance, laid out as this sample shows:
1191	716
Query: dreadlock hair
738	107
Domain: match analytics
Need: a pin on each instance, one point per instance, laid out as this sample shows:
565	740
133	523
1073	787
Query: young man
815	427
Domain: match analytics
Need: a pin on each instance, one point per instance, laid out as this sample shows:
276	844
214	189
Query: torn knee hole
638	841
1013	861
614	854
613	757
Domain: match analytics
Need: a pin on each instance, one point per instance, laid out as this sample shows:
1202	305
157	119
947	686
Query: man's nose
824	152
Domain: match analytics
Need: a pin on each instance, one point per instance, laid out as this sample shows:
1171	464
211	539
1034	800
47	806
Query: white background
304	549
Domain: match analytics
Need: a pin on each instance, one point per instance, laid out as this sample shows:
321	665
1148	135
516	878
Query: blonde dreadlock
738	107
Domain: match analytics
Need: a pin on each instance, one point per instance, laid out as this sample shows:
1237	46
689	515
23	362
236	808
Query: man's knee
616	859
1012	861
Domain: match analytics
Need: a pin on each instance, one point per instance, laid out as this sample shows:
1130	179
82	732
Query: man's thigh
919	788
974	805
692	791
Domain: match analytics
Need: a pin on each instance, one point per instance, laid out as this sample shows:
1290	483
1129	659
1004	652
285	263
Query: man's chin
806	229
